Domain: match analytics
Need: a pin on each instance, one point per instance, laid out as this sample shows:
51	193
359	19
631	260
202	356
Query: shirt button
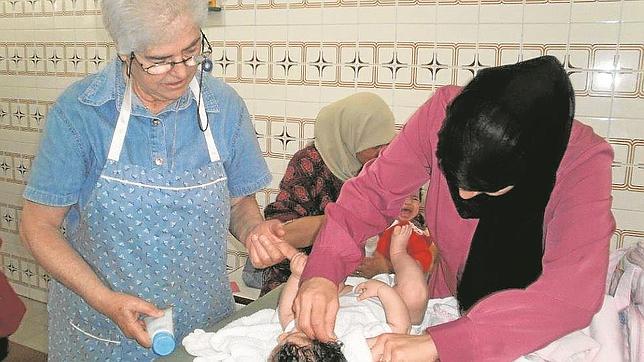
156	122
158	161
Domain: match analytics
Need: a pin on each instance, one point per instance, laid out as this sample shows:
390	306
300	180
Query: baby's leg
411	282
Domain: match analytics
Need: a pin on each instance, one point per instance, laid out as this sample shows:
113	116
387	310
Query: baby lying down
368	308
254	337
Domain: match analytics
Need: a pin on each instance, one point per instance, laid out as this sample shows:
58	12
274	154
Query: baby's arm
395	308
285	307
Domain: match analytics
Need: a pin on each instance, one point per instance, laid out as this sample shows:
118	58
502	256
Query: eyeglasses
161	68
202	58
191	61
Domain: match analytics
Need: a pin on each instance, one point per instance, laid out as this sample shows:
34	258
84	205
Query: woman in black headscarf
519	203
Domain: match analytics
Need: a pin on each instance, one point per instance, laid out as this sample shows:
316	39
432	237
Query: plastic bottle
161	331
371	245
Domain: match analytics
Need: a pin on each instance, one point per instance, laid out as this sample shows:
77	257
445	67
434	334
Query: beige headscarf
351	125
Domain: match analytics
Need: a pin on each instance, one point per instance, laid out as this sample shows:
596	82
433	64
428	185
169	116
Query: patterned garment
307	187
156	230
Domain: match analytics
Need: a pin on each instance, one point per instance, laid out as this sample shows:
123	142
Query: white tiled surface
437	42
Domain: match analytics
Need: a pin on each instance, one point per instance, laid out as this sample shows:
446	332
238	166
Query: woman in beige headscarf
348	133
351	131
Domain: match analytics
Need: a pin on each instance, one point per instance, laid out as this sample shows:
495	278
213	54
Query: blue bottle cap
163	343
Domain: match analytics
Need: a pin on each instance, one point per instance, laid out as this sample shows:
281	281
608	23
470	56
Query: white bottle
161	331
370	246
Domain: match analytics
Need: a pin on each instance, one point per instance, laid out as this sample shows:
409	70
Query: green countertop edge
268	301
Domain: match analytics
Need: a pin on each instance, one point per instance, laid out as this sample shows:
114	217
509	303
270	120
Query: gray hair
135	25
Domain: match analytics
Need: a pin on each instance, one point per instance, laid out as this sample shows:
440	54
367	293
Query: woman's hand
316	306
126	311
265	244
392	347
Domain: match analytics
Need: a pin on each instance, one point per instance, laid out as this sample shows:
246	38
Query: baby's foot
400	239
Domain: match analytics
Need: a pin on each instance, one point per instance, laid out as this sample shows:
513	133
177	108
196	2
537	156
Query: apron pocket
96	326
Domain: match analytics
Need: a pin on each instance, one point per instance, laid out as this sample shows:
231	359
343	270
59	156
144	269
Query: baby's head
295	346
410	210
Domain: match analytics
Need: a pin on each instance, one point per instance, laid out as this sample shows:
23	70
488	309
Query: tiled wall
289	58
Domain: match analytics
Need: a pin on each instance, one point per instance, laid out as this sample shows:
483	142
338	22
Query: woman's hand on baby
265	244
126	311
393	347
369	289
316	306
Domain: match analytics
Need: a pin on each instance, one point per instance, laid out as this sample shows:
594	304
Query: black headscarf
509	126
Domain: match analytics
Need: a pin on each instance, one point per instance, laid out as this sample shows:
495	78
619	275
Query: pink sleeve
368	202
569	292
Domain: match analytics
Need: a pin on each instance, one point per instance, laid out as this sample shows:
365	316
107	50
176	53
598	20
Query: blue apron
155	233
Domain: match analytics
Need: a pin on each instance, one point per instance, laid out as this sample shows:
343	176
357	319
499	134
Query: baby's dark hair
316	351
419	220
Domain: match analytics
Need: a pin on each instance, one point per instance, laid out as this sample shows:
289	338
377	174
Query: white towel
253	338
248	338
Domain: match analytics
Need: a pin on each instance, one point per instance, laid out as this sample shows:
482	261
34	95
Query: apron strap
121	124
210	142
124	117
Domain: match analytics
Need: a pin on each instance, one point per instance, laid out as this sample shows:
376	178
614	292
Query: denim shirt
81	123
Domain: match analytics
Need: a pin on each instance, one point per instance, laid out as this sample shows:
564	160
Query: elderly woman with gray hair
159	161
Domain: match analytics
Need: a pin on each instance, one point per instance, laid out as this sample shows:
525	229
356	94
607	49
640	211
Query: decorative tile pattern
595	70
48	8
14	167
295	4
422	65
623	238
26	115
24	271
60	59
9	218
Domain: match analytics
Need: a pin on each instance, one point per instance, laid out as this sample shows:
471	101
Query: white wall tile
629	221
594	33
593	106
545	33
632	108
305	16
454	14
501	13
626	128
390	16
340	16
632	10
272	17
631	33
457	33
599	125
555	13
596	11
416	32
500	33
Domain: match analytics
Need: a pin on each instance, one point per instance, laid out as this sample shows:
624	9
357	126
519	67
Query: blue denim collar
109	84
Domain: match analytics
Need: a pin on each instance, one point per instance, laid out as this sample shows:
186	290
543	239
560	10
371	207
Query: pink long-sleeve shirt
578	224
